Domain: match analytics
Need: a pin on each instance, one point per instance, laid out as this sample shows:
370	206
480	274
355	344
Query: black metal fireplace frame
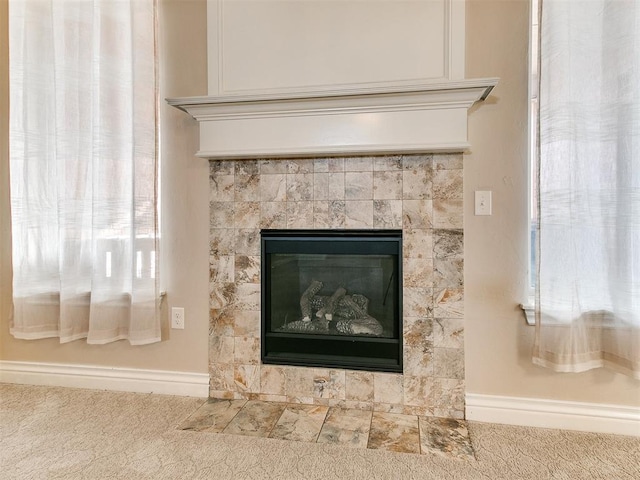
355	352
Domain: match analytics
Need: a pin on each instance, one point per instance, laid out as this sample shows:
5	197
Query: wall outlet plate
177	318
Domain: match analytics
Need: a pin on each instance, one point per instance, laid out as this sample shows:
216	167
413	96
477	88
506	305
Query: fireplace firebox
332	298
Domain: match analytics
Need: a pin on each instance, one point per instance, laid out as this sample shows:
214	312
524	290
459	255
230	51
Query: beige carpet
67	433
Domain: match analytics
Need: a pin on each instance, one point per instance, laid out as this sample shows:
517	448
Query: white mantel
410	119
334	77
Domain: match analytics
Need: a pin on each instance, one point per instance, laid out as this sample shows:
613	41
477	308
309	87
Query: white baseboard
106	378
534	412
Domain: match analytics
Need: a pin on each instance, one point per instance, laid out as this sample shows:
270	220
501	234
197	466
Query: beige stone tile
387	214
417	272
321	165
300	165
387	185
447	184
394	432
446	437
328	383
448	273
220	349
221	377
273	188
272	380
247	269
301	423
359	214
417	214
448	213
221	294
417	243
300	214
448	332
417	179
417	302
337	214
247	241
418	360
247	215
299	187
273	215
348	427
221	188
268	397
248	296
213	416
387	163
416	390
447	161
256	419
321	186
246	323
247	167
336	187
448	362
358	164
299	382
247	188
358	185
321	215
221	268
221	241
247	378
359	386
221	167
221	214
448	303
447	397
225	395
221	322
448	243
417	162
273	165
336	164
387	388
246	350
418	332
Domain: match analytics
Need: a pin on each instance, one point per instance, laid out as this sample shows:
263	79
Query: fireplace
332	298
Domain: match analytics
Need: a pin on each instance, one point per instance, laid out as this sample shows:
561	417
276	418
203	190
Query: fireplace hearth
332	298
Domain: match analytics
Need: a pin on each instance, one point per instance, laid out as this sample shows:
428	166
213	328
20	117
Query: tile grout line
323	422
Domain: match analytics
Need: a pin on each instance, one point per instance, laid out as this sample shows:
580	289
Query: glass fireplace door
332	298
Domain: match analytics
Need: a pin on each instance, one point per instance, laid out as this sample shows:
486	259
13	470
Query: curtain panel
83	167
588	258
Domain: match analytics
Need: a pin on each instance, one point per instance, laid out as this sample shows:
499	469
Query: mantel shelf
418	118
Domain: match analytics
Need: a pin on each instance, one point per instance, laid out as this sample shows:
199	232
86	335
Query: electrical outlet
177	317
483	202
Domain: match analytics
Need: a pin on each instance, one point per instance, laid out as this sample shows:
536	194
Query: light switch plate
483	202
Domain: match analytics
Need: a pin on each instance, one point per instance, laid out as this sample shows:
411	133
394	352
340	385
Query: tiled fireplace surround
421	194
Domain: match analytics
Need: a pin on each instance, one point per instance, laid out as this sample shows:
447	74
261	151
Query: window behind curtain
83	166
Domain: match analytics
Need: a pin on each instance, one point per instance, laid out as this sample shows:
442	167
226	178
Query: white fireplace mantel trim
410	119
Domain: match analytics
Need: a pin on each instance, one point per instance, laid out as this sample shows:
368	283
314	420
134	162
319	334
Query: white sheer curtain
588	286
83	170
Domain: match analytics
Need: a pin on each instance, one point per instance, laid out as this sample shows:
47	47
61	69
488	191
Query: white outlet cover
177	318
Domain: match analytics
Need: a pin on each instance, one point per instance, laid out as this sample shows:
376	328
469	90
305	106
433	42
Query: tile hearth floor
350	427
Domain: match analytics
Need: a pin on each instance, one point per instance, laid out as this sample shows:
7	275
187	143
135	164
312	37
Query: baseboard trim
184	384
534	412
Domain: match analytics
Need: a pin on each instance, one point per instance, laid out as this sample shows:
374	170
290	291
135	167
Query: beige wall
185	213
497	340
